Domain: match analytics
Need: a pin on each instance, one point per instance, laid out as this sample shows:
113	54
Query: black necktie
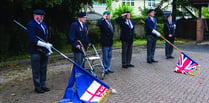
43	27
84	27
110	25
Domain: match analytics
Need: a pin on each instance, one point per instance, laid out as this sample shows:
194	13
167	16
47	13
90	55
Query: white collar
151	17
80	23
38	21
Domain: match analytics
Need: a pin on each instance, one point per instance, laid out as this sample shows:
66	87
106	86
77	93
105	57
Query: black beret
39	12
81	14
150	10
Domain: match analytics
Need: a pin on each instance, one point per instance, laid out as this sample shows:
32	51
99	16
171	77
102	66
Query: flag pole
45	41
170	43
165	39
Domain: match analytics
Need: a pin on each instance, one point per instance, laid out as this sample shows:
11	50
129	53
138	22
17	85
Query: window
128	2
151	3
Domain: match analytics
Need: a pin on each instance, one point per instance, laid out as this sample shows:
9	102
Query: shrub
121	9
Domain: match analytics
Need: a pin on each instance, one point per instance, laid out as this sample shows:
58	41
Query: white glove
50	51
156	32
46	45
174	26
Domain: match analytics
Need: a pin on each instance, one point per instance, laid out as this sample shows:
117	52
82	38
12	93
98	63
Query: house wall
95	34
100	8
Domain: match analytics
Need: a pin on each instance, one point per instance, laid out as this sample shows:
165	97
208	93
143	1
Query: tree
121	9
59	15
205	12
109	4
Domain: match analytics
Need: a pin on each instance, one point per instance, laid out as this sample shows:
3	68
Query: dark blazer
76	32
34	29
169	29
106	33
150	25
126	31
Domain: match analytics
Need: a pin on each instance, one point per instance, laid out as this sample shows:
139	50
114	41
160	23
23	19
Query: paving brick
156	82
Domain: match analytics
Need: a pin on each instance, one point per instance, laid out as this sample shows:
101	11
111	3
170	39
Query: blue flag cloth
83	87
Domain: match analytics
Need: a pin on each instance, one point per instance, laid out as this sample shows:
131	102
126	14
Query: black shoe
45	89
155	61
39	91
106	72
149	61
171	57
110	71
124	66
130	65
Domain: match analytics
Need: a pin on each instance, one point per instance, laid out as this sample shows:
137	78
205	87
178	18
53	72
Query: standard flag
83	87
186	65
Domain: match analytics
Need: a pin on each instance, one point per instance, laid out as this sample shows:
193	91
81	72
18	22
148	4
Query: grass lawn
144	41
67	49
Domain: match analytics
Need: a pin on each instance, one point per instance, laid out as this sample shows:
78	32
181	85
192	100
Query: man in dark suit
127	31
151	35
170	35
107	33
39	50
79	32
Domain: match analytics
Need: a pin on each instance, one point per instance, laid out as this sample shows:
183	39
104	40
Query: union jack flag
185	64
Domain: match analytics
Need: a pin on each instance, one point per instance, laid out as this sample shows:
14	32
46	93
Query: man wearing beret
127	31
170	35
151	35
107	33
79	32
39	50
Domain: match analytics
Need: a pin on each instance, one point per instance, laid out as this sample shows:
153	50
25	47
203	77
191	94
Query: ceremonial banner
186	65
83	87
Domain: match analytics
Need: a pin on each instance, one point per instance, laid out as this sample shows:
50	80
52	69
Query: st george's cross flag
185	64
83	87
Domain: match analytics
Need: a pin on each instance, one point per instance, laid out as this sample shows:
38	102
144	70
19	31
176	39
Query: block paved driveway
156	82
145	83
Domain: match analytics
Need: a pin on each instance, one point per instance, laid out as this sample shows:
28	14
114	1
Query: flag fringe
71	68
104	99
195	72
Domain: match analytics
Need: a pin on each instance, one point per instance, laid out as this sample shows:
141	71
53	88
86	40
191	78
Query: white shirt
152	19
109	23
128	21
81	24
41	26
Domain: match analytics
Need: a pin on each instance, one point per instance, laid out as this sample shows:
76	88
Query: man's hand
105	16
156	32
46	45
50	51
124	14
170	35
89	44
78	46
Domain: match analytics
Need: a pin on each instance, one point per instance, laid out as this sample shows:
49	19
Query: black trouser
169	48
79	58
151	45
126	53
39	68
